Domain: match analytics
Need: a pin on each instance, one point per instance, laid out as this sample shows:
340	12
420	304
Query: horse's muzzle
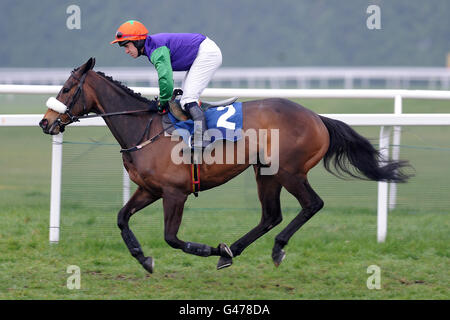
44	125
52	129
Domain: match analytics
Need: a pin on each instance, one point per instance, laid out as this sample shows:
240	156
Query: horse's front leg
140	199
173	203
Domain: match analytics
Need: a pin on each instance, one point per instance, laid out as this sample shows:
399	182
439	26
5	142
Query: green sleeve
161	60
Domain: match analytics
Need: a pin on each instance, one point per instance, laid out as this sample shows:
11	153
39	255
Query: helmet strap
139	44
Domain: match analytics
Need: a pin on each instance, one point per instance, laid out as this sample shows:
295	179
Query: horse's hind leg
269	195
311	203
140	199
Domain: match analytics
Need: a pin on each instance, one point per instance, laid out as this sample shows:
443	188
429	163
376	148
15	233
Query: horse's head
69	103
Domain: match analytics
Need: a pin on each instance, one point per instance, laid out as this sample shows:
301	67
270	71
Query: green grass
326	259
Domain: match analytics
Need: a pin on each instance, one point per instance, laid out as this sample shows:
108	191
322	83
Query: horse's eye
65	90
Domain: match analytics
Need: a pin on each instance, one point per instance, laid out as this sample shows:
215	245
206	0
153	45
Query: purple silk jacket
183	47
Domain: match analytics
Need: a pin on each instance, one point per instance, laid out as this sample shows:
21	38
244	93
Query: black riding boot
199	140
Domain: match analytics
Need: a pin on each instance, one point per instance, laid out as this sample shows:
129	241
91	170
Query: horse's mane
124	87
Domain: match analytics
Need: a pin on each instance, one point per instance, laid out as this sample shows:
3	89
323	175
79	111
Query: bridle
79	92
68	112
74	118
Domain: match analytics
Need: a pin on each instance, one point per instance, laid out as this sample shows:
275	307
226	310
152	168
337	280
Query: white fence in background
396	120
278	77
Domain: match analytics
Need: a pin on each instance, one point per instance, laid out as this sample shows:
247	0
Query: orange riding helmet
129	31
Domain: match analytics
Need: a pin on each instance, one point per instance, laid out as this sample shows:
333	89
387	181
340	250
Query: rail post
395	151
55	192
382	213
126	187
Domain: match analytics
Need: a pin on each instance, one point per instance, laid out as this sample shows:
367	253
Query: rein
74	118
147	129
118	113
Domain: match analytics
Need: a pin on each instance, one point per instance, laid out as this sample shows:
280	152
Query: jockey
168	52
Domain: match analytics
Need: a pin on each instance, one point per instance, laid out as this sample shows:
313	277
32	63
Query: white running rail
385	121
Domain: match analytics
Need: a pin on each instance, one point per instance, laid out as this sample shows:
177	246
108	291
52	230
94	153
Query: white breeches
208	60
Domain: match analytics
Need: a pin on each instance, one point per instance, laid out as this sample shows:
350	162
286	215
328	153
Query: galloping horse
304	139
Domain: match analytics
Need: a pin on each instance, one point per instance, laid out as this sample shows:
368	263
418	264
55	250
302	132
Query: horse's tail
347	148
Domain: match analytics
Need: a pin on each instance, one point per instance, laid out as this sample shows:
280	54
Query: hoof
148	264
224	262
225	251
278	257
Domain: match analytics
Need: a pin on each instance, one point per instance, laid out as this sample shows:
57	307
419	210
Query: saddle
181	115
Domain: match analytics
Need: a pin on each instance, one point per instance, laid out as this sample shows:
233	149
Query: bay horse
304	139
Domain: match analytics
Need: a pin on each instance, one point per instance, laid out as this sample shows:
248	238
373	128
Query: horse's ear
89	65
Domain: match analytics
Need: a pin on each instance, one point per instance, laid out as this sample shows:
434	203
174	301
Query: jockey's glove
163	107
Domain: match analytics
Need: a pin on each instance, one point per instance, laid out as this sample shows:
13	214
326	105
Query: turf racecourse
327	259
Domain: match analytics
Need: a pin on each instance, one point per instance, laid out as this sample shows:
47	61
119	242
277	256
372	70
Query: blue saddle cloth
227	122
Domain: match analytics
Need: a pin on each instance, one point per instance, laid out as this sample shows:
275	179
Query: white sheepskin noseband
56	105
